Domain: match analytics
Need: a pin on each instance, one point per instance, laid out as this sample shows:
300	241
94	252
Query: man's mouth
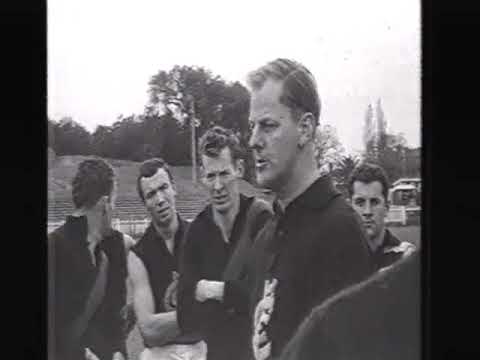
220	198
163	212
260	164
368	223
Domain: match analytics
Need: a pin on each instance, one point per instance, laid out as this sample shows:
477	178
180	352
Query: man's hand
118	356
89	355
170	297
209	290
129	318
263	311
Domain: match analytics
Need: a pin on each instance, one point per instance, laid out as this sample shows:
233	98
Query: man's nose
367	209
217	184
160	197
254	141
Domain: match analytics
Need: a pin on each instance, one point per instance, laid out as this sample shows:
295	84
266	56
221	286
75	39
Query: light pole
192	130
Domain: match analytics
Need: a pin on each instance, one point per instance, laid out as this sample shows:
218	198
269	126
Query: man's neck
303	177
94	235
226	220
376	242
167	232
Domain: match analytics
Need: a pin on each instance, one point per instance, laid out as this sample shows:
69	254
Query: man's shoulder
57	241
394	245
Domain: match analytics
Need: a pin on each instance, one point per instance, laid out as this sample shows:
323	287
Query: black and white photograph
234	180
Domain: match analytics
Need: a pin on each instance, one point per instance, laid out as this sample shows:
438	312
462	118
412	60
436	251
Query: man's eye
150	195
375	202
210	176
224	173
164	187
359	202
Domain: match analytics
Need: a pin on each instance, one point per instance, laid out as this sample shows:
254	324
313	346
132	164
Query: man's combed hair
368	173
149	168
218	138
94	179
299	87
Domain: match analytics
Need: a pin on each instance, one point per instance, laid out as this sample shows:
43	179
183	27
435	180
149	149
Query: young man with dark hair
368	191
210	300
87	267
154	266
315	245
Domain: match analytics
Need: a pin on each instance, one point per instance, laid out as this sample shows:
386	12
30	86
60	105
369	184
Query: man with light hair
210	301
315	245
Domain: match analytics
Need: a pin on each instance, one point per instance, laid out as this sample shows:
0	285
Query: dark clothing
314	249
224	325
377	319
390	251
71	278
161	264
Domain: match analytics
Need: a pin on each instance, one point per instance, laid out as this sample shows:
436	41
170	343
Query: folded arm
156	329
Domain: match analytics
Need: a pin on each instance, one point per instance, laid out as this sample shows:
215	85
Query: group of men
238	281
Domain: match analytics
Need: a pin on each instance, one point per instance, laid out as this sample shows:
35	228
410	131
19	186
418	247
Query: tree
188	94
71	138
368	130
328	148
383	148
344	169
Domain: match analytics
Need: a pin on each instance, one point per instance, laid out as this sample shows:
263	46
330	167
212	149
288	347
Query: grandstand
191	198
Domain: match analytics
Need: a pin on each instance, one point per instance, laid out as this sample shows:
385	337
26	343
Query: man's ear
306	128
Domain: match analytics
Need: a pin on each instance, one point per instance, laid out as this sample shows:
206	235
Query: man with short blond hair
210	301
314	246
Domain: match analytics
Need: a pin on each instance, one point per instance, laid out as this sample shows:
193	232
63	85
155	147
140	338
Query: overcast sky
102	53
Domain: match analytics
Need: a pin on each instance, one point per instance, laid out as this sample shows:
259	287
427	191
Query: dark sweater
390	251
71	278
316	248
160	264
224	325
377	319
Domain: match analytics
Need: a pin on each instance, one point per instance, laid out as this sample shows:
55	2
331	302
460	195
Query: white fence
130	227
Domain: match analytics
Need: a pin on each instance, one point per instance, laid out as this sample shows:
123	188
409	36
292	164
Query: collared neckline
316	196
76	227
152	232
242	206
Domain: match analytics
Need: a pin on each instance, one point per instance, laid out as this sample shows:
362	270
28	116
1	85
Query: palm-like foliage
344	169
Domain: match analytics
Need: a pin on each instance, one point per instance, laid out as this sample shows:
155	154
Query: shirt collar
316	196
76	228
243	205
151	232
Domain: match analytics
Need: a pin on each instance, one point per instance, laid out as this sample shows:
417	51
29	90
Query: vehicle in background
405	202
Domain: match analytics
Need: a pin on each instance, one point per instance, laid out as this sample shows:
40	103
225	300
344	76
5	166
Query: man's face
370	204
275	136
220	175
159	195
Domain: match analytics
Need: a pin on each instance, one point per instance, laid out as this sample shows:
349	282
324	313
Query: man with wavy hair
213	297
87	272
